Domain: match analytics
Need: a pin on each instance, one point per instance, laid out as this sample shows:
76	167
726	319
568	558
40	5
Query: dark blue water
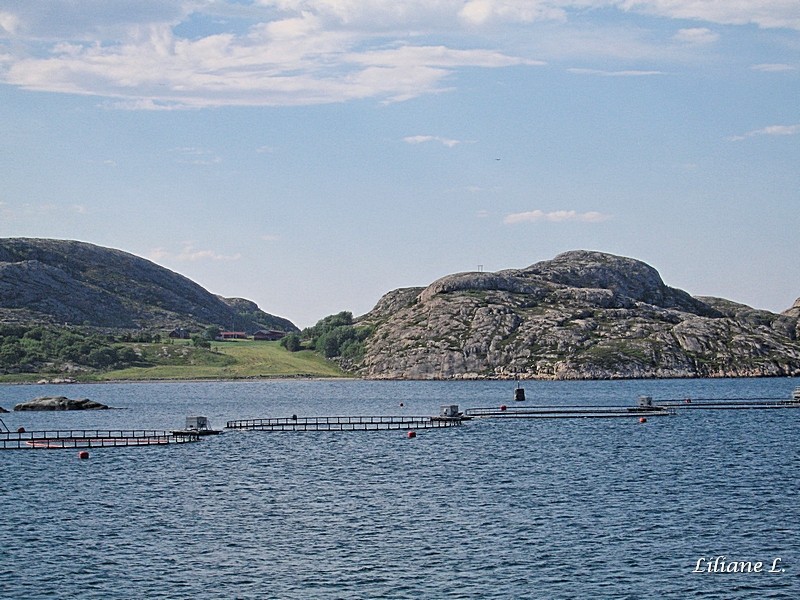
494	509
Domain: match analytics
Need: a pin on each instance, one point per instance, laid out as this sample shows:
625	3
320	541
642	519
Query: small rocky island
59	403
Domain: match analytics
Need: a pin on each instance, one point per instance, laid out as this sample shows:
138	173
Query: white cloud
556	216
293	59
696	35
421	139
141	56
48	210
480	12
770	130
626	73
9	23
196	156
189	253
764	13
773	67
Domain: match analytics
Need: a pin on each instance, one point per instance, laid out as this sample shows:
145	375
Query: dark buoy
411	434
20	430
83	454
402	405
503	407
642	419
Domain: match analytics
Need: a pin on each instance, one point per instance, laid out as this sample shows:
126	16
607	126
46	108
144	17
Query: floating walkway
91	438
380	423
645	408
730	403
568	412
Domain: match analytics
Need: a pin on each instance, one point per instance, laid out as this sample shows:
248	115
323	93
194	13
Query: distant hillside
61	281
581	315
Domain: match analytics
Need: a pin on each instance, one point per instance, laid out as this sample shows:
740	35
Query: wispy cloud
696	35
196	156
294	52
189	253
50	210
299	52
625	73
555	216
422	139
764	13
771	130
773	67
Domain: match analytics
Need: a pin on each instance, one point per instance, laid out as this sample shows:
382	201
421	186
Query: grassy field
236	359
226	360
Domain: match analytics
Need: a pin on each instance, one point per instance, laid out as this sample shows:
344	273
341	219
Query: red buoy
642	419
503	407
411	434
83	454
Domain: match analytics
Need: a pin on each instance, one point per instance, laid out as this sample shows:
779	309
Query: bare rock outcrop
59	403
582	315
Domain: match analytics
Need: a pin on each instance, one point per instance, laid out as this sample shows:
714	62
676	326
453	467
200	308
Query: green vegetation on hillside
31	349
226	360
335	336
31	353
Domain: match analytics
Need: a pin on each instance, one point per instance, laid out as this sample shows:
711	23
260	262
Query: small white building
197	423
449	410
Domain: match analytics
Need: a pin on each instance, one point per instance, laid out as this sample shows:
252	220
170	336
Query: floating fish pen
380	423
732	403
568	412
93	438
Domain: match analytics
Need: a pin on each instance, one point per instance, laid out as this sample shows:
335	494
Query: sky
312	155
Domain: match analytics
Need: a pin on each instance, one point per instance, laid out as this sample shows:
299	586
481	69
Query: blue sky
311	155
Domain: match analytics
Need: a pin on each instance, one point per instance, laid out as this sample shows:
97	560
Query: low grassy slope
226	360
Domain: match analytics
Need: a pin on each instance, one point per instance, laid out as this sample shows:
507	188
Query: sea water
496	508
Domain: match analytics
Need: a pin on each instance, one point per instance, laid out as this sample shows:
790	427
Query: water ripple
495	509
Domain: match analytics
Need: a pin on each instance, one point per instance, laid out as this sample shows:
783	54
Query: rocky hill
582	315
60	281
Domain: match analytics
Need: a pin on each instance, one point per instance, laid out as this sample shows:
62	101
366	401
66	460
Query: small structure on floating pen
197	426
450	411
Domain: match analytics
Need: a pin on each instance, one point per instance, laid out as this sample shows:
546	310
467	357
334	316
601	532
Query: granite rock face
59	403
582	315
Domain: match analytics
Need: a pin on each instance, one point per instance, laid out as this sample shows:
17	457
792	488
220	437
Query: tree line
335	336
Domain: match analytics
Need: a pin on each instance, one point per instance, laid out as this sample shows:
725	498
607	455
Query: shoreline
256	379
